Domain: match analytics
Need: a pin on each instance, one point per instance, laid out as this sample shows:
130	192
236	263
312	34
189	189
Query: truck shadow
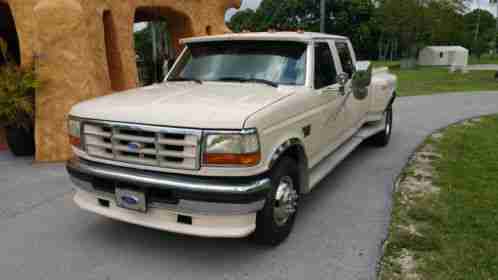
155	245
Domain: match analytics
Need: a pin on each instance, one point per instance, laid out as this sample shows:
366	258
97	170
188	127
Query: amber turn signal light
232	159
75	141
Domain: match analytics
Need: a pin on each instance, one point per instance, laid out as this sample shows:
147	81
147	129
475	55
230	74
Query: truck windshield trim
272	63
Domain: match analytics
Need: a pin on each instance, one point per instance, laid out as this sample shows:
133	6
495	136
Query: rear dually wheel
383	138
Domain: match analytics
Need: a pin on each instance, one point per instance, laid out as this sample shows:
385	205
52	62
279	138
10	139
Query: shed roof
447	48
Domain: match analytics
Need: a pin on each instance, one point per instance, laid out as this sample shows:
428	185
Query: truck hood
184	104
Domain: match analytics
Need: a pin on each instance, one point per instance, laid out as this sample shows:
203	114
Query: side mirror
362	79
363	75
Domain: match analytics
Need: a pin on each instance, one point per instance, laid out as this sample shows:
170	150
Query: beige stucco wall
67	39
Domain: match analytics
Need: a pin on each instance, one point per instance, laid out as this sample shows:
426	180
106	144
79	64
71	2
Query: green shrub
17	88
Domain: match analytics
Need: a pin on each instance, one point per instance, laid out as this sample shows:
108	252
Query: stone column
123	15
63	65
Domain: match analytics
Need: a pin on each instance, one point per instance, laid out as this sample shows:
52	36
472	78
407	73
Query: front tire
275	221
383	138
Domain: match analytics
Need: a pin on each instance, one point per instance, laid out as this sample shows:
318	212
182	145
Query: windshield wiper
186	80
242	80
262	81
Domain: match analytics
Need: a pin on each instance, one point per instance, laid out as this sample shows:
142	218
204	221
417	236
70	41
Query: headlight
236	149
74	130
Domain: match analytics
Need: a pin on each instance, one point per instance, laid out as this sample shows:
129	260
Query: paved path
338	234
474	67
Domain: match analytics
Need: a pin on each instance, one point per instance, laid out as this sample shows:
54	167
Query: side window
345	56
325	72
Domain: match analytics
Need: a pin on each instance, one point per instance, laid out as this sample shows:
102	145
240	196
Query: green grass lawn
485	59
431	80
457	227
383	63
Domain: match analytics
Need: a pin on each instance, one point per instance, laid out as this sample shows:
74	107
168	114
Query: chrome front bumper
190	195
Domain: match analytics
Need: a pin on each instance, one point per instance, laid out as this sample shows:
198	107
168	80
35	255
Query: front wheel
383	138
275	221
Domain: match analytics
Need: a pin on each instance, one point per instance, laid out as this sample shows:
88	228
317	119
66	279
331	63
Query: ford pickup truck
242	127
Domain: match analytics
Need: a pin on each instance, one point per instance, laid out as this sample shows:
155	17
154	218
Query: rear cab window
346	58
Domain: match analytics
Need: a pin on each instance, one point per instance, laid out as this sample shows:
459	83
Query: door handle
334	91
330	91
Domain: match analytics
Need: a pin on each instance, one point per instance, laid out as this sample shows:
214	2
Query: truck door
356	110
329	98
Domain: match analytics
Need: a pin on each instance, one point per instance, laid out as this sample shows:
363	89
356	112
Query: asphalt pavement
338	234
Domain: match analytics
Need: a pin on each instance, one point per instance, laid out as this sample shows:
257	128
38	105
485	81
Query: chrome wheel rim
285	204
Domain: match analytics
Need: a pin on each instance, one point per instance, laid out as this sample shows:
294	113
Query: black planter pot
21	141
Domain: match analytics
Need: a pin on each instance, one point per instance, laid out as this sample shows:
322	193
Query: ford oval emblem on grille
134	146
130	200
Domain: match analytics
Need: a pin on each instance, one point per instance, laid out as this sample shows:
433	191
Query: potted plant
17	88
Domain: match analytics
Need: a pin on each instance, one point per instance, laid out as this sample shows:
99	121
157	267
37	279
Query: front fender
295	148
285	146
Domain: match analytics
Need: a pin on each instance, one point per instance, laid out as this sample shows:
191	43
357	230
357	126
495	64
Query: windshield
274	63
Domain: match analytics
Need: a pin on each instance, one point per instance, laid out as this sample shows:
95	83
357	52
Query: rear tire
275	221
383	138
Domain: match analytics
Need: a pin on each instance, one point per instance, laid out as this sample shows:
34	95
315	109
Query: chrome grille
146	145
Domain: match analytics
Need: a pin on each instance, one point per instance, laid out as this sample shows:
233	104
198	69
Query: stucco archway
8	32
84	49
158	43
179	24
113	53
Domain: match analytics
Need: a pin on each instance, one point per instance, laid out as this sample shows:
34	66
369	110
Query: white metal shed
443	56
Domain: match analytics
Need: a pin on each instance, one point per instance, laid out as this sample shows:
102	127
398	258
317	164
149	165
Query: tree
402	26
356	20
351	18
242	20
446	19
288	15
378	28
409	25
495	2
480	31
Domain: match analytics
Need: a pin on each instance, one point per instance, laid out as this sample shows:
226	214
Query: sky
253	4
483	3
250	3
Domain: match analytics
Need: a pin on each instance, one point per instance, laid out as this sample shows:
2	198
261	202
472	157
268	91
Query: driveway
338	234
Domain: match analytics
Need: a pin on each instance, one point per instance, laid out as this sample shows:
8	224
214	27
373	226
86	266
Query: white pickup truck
241	128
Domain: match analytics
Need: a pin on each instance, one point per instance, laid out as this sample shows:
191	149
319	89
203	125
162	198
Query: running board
322	169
